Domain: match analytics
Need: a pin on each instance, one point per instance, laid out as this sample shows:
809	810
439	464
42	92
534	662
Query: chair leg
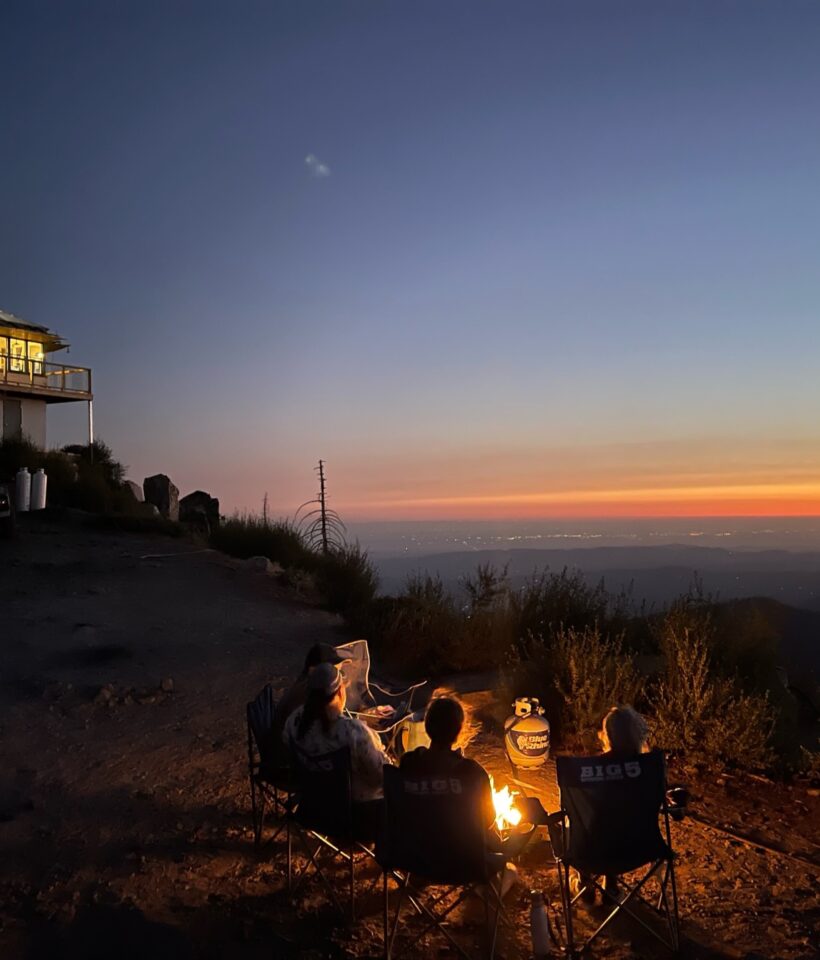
437	921
498	907
352	868
402	894
566	903
386	918
290	855
254	813
674	921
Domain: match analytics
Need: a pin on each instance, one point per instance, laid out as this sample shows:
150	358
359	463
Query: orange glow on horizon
731	500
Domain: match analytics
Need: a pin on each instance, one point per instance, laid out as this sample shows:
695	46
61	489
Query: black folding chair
609	825
323	813
433	832
268	770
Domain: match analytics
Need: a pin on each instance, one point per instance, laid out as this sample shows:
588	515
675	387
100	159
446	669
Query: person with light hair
624	732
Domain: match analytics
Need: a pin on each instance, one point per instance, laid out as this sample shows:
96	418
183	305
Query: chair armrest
397	693
676	802
557	829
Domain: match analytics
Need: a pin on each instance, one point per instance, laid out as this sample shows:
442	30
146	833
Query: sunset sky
528	259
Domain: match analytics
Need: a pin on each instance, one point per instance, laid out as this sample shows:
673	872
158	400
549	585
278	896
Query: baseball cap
326	678
321	653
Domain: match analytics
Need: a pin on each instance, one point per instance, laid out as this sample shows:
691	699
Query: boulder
196	521
134	489
160	491
198	505
262	565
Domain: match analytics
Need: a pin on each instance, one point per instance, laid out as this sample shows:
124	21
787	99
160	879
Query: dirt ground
124	808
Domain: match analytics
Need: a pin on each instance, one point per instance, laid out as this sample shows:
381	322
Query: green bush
247	535
347	581
76	478
423	625
100	459
15	454
429	628
548	601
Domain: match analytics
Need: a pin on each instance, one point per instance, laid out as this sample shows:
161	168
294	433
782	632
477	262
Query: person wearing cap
320	726
297	692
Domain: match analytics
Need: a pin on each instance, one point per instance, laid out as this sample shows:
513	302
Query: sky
487	260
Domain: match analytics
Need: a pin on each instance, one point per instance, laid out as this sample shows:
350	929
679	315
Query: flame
506	815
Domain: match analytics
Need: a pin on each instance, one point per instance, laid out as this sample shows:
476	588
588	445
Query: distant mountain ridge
779	587
655	574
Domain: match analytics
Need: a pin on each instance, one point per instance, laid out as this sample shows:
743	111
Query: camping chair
267	770
323	812
609	825
365	696
433	832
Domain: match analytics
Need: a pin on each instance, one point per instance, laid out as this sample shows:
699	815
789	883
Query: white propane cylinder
39	482
22	490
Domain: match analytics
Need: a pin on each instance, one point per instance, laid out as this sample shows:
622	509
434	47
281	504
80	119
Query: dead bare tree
321	527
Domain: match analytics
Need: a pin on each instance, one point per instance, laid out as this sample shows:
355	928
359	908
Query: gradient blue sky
550	256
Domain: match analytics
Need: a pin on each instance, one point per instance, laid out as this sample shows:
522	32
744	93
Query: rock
261	565
132	487
160	491
105	694
198	505
197	521
167	685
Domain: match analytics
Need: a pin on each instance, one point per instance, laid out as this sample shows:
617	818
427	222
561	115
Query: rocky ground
124	812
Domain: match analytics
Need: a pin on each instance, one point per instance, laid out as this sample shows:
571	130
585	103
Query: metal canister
527	734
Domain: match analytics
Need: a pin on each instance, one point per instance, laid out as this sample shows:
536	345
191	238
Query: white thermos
22	490
539	926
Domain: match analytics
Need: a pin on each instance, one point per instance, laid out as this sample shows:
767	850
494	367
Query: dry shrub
699	711
551	600
592	673
248	535
489	621
809	766
578	674
421	625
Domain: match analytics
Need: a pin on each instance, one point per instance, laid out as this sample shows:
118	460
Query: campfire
506	815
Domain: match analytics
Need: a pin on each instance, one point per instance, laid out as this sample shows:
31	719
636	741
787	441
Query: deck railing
53	377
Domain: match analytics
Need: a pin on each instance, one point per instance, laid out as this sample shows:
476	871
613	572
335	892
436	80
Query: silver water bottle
539	926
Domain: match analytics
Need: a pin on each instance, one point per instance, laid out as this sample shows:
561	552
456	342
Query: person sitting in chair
444	761
443	723
624	733
296	694
319	726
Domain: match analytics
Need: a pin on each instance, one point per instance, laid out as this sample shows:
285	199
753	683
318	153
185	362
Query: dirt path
111	788
125	814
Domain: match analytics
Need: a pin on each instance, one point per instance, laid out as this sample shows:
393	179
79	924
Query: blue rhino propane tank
527	734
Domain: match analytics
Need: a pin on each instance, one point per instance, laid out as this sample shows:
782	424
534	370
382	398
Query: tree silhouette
321	527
